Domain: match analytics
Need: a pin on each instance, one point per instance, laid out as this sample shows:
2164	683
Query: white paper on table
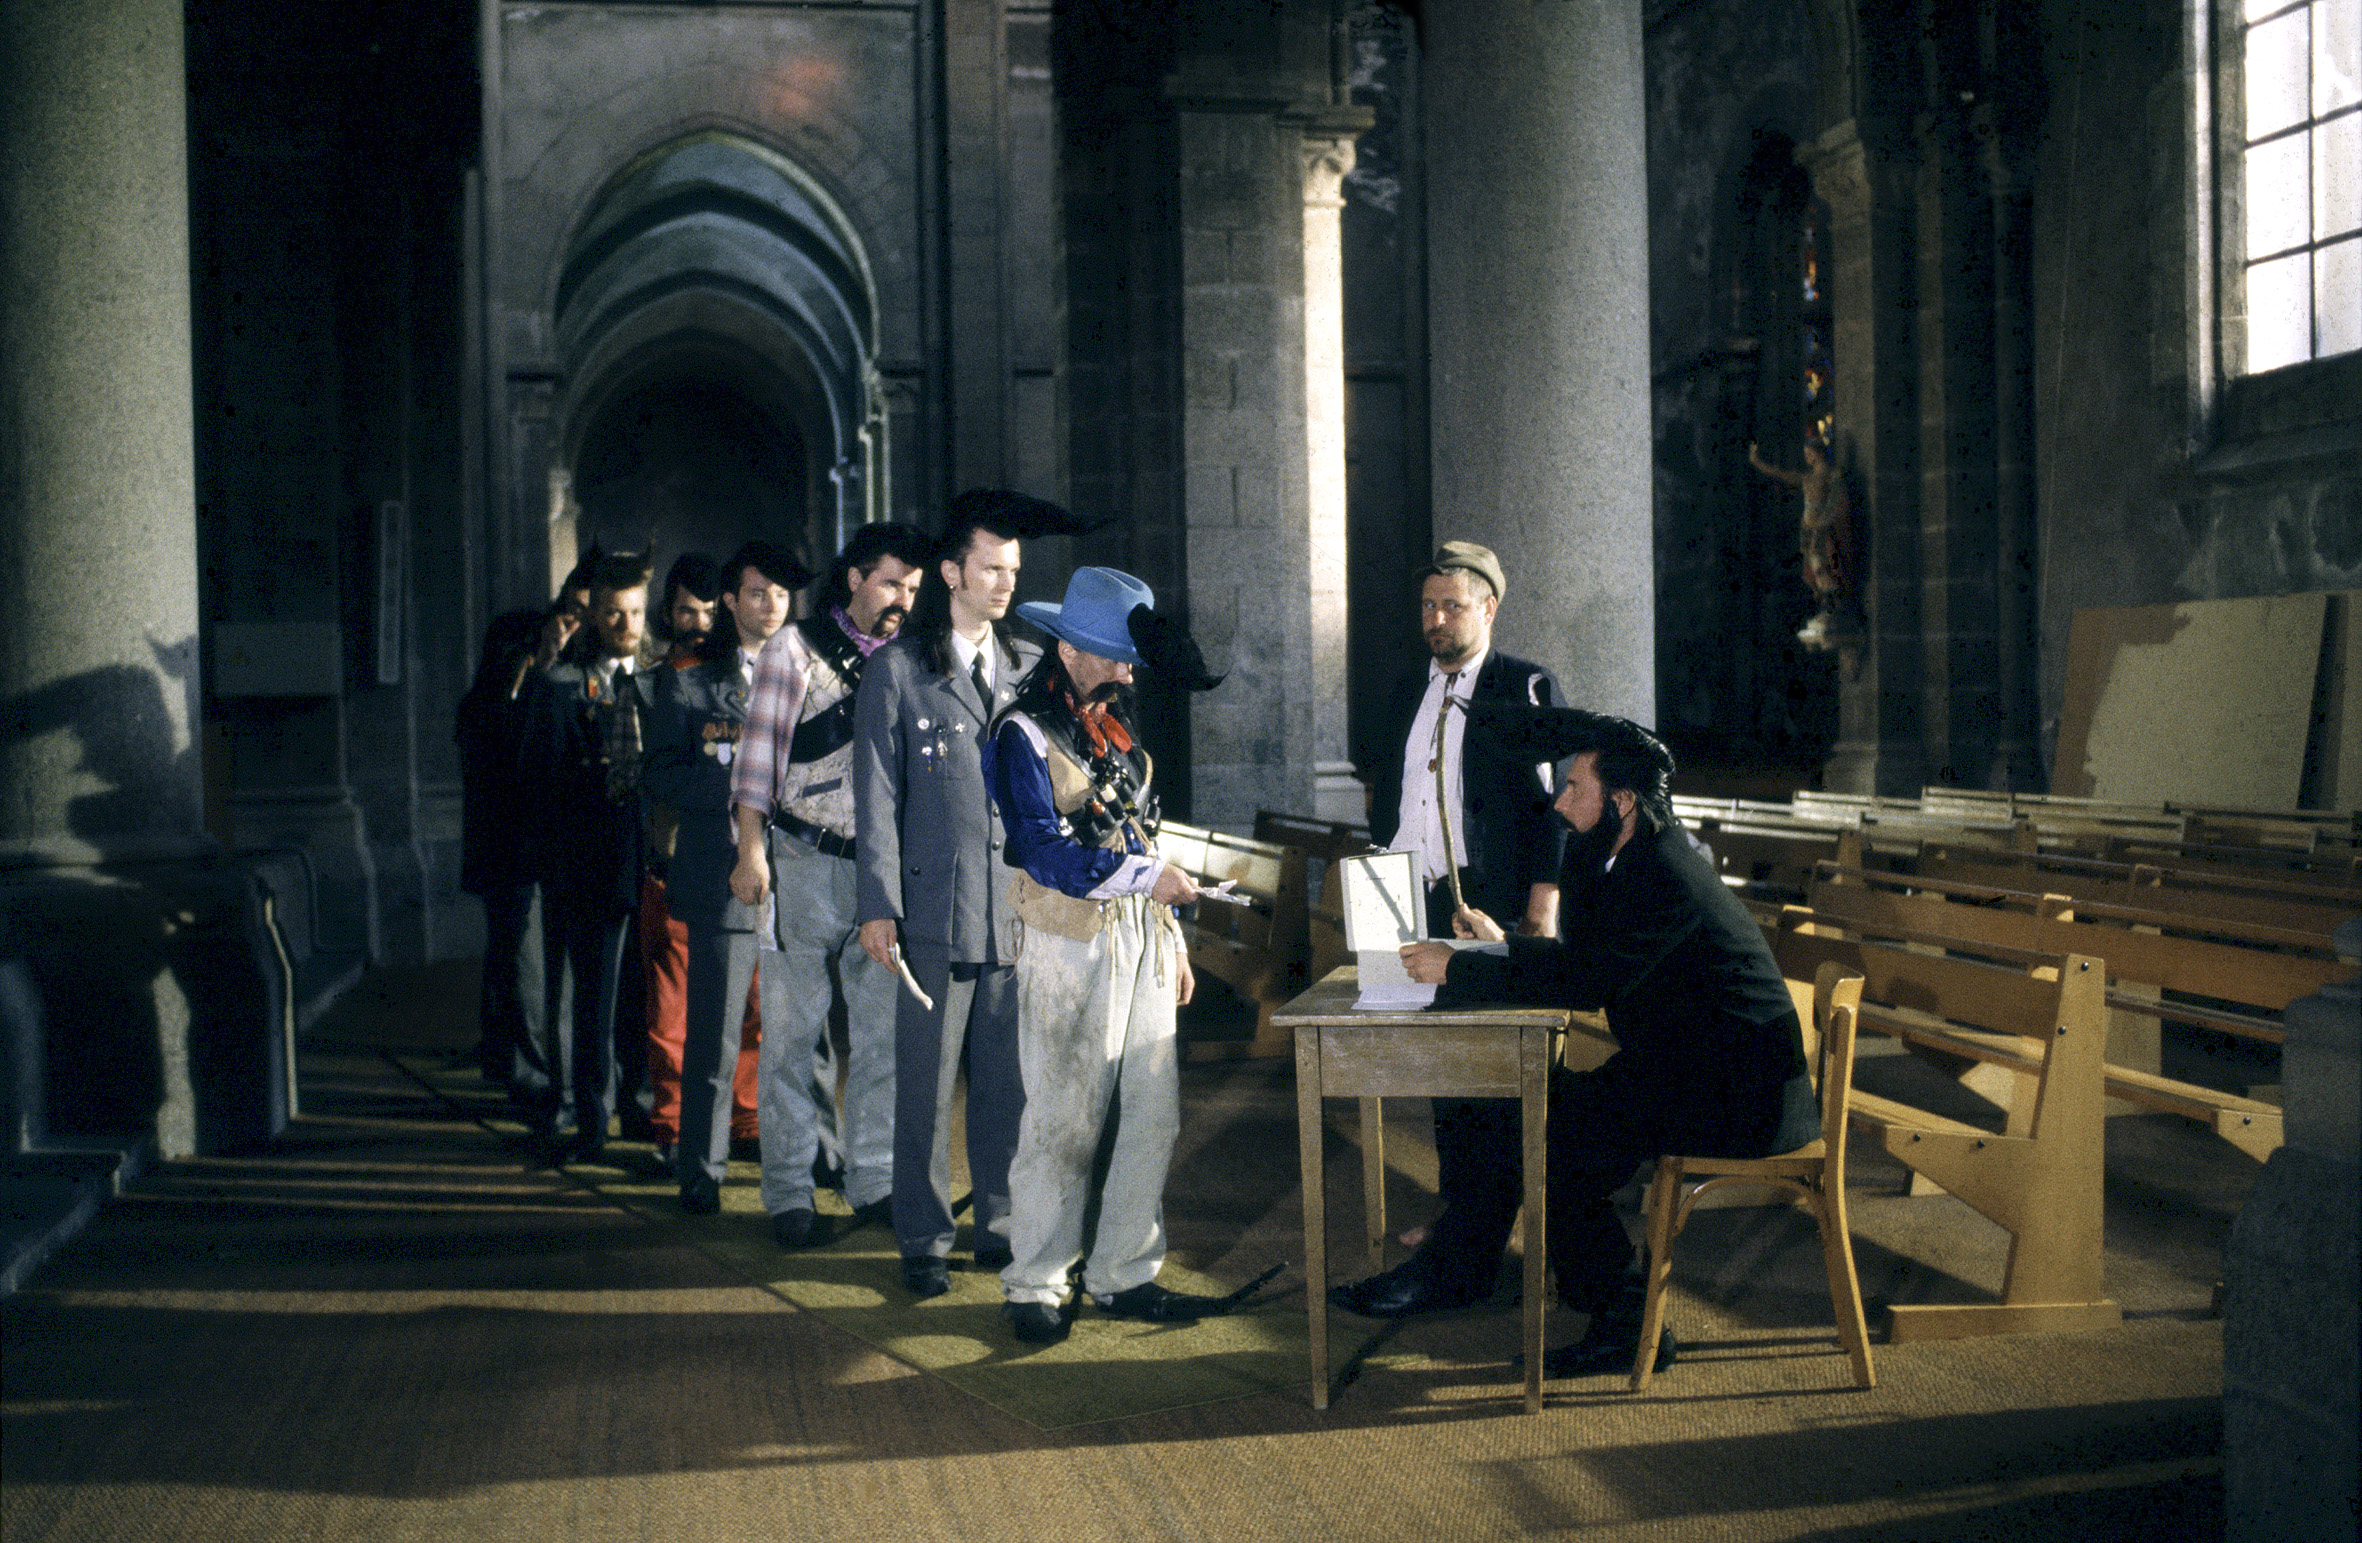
1381	901
1386	984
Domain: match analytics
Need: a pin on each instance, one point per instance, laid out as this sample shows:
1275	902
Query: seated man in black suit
1710	1057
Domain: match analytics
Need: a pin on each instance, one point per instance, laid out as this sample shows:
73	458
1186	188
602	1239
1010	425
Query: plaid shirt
774	705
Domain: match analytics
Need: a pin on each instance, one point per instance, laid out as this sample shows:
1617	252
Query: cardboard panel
2202	702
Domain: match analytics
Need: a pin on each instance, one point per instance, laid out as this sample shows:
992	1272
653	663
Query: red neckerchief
1098	727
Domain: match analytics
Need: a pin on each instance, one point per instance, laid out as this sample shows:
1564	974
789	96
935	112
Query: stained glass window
2302	250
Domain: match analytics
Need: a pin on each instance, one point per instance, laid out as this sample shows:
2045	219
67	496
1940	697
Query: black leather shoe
797	1227
1599	1354
746	1149
701	1196
995	1257
926	1276
1037	1323
1155	1304
1402	1292
580	1147
876	1213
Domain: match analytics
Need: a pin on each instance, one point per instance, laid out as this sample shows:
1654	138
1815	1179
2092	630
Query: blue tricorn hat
1096	614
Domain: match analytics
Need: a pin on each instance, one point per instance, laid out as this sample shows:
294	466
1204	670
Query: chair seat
1807	1158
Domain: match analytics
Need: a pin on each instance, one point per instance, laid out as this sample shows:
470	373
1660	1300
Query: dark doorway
693	466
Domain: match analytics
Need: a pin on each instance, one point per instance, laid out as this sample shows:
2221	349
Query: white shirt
1420	829
968	653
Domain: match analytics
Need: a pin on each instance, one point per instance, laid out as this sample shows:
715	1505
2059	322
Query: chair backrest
1837	1001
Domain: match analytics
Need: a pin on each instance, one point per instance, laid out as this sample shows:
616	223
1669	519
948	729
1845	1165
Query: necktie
623	737
1443	806
983	687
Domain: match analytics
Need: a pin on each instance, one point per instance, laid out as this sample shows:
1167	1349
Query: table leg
1534	1056
1373	1179
1316	1242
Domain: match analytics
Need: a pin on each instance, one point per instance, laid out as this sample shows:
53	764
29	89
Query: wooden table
1461	1052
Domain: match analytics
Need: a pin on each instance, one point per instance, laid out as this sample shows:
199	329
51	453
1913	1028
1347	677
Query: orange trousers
664	944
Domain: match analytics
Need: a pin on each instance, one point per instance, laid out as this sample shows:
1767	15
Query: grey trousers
722	965
819	950
975	1016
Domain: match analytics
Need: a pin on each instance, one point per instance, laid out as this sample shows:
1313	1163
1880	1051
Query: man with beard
1481	825
581	757
1101	969
1709	1058
692	590
795	834
701	703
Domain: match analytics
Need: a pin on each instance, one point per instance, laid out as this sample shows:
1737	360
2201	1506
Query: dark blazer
928	849
1701	1016
1512	840
581	841
493	809
697	711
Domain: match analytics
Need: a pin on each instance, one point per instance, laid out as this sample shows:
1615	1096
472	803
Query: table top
1330	1002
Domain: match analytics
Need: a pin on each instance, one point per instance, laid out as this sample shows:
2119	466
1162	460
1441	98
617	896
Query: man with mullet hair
933	894
792	797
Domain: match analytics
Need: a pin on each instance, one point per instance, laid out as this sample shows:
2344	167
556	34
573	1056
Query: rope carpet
1107	1369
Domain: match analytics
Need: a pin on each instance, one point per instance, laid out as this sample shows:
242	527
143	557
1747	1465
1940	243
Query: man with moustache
1710	1056
581	757
1100	972
795	834
701	703
933	892
1481	825
692	591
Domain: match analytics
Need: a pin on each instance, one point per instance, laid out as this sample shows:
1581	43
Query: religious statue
1824	536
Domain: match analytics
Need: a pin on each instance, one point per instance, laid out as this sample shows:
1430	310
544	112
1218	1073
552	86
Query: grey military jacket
693	727
929	847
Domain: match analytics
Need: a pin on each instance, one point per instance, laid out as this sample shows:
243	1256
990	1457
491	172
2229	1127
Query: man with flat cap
1480	821
1710	1057
1101	966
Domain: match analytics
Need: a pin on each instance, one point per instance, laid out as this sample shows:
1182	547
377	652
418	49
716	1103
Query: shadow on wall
158	996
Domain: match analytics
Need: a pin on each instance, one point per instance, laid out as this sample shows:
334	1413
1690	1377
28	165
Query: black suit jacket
1703	1021
1512	840
698	710
582	842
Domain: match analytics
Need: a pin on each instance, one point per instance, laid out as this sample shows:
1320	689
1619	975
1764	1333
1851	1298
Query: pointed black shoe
701	1196
1037	1323
1152	1303
798	1227
925	1276
1405	1291
995	1257
1610	1351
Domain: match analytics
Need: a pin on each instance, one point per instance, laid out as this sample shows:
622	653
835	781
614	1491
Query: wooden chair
1816	1171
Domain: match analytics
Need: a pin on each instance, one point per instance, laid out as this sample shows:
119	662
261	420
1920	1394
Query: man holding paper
1101	966
1480	823
1710	1057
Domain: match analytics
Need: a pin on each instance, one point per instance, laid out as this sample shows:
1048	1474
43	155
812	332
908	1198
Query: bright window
2302	255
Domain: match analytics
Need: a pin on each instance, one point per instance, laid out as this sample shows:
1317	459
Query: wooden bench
2304	915
2041	1179
2141	965
1252	939
1324	844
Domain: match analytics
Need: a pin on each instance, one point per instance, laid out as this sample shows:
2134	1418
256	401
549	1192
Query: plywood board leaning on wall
2208	702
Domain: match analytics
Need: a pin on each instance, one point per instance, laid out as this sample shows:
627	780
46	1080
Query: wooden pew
1252	939
2140	964
2041	1181
2303	915
1324	843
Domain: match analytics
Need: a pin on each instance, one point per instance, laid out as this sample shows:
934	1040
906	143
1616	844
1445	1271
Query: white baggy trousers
1095	1032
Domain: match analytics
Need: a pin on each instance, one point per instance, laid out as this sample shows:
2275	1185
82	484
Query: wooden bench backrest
2251	977
1319	840
2146	889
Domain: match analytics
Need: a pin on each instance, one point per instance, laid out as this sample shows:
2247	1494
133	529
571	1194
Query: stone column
1244	448
2017	748
1867	172
1328	158
1539	347
135	945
